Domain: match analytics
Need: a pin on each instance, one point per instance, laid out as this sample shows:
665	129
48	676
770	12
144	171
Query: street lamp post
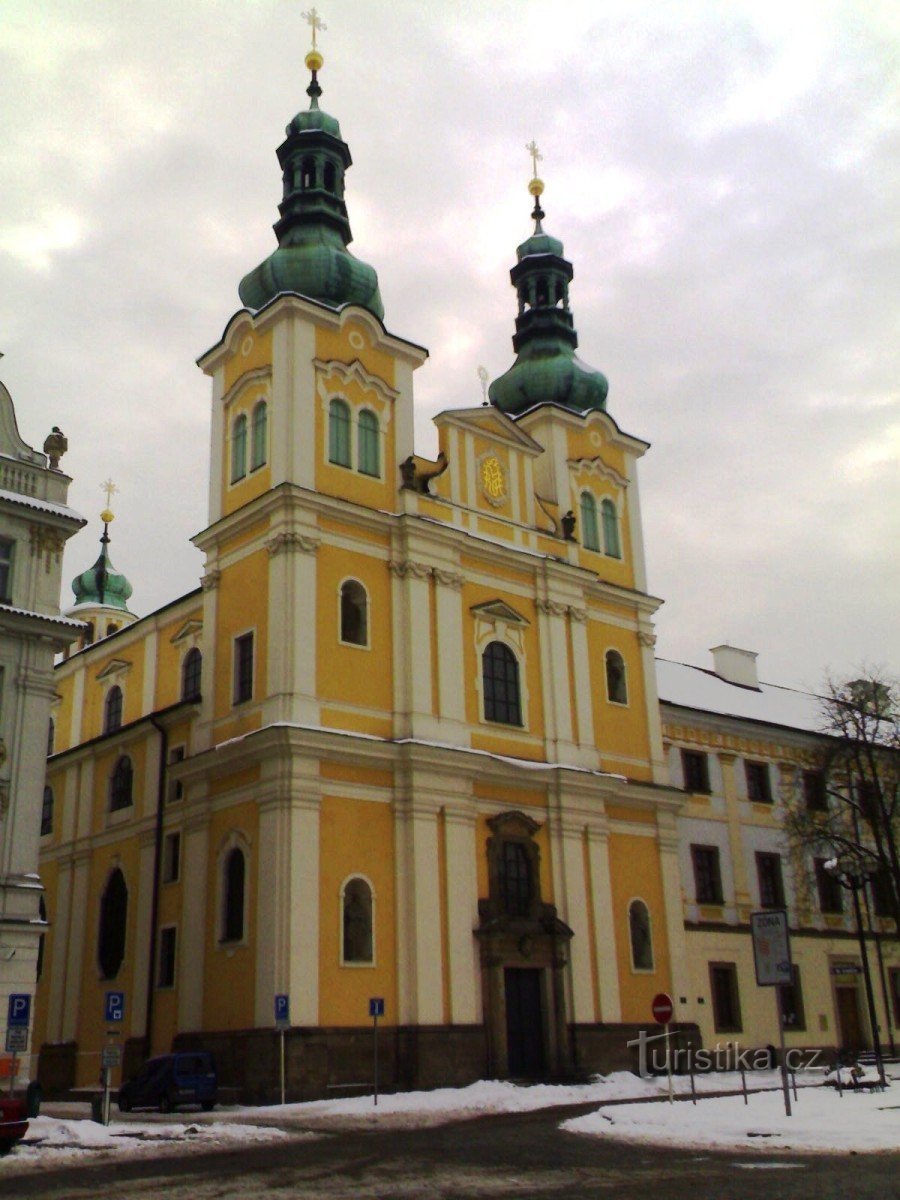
853	874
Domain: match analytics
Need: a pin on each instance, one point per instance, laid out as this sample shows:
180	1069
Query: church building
403	742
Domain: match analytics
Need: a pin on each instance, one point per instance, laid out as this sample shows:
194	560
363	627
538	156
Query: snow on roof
694	687
27	612
58	510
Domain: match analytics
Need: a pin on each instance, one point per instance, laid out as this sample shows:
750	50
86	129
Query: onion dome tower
547	369
101	592
313	230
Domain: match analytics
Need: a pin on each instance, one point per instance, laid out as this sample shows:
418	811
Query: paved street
513	1155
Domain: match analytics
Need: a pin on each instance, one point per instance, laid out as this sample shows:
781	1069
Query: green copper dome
102	583
547	369
313	230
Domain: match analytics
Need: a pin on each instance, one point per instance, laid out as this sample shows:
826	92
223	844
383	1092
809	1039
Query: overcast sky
724	176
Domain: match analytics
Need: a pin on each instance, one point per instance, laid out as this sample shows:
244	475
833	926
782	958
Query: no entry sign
662	1008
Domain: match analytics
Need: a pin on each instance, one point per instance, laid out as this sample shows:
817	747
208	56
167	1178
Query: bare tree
848	805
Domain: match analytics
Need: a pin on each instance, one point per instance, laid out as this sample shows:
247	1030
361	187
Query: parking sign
282	1011
115	1007
19	1012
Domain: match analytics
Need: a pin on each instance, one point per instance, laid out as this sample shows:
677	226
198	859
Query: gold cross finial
315	23
110	488
536	156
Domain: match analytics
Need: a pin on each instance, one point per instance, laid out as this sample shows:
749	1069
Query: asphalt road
521	1156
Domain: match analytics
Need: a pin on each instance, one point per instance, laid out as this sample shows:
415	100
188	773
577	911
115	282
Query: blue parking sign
282	1010
115	1007
18	1014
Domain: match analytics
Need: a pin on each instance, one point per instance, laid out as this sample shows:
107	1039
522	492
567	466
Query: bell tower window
330	174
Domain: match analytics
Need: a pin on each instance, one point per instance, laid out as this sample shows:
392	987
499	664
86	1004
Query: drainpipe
157	871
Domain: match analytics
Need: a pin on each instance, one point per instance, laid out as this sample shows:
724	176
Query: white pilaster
604	926
462	916
576	900
671	879
195	872
148	693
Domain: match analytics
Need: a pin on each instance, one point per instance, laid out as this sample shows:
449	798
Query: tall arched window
515	879
234	873
113	924
112	710
239	448
121	783
354	613
367	434
590	537
190	674
610	529
259	435
47	812
616	685
308	173
339	433
329	176
639	933
500	679
356	907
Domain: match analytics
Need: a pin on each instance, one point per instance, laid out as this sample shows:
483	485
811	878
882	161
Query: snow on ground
68	1135
52	1142
822	1120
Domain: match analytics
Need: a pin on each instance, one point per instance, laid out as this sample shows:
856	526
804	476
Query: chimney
735	666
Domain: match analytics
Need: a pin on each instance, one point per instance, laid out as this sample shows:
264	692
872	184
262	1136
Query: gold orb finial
314	61
107	515
536	186
110	488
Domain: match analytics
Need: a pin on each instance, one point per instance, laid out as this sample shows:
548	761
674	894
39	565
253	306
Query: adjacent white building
34	526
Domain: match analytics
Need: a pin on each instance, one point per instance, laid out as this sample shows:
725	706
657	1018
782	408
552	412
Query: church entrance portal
524	1022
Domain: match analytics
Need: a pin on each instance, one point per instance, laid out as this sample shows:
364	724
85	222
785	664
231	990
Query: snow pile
822	1120
51	1141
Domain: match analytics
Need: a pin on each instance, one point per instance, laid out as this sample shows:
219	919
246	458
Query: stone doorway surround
522	935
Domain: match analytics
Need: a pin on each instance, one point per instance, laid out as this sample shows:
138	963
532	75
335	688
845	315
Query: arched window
611	529
541	295
339	433
356	907
121	783
47	812
308	173
329	176
88	632
112	627
51	737
112	710
234	873
590	537
42	913
259	435
190	674
500	677
354	613
515	879
616	686
639	933
239	448
113	924
367	433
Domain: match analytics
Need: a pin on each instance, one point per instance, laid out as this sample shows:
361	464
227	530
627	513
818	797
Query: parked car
13	1122
170	1081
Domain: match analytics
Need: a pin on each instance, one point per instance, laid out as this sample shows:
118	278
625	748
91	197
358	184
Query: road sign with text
771	948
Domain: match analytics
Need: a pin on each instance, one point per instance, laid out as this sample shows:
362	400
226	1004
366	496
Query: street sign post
662	1008
113	1014
282	1022
774	968
376	1010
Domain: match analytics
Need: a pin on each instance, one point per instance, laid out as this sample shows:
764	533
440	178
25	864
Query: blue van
170	1081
